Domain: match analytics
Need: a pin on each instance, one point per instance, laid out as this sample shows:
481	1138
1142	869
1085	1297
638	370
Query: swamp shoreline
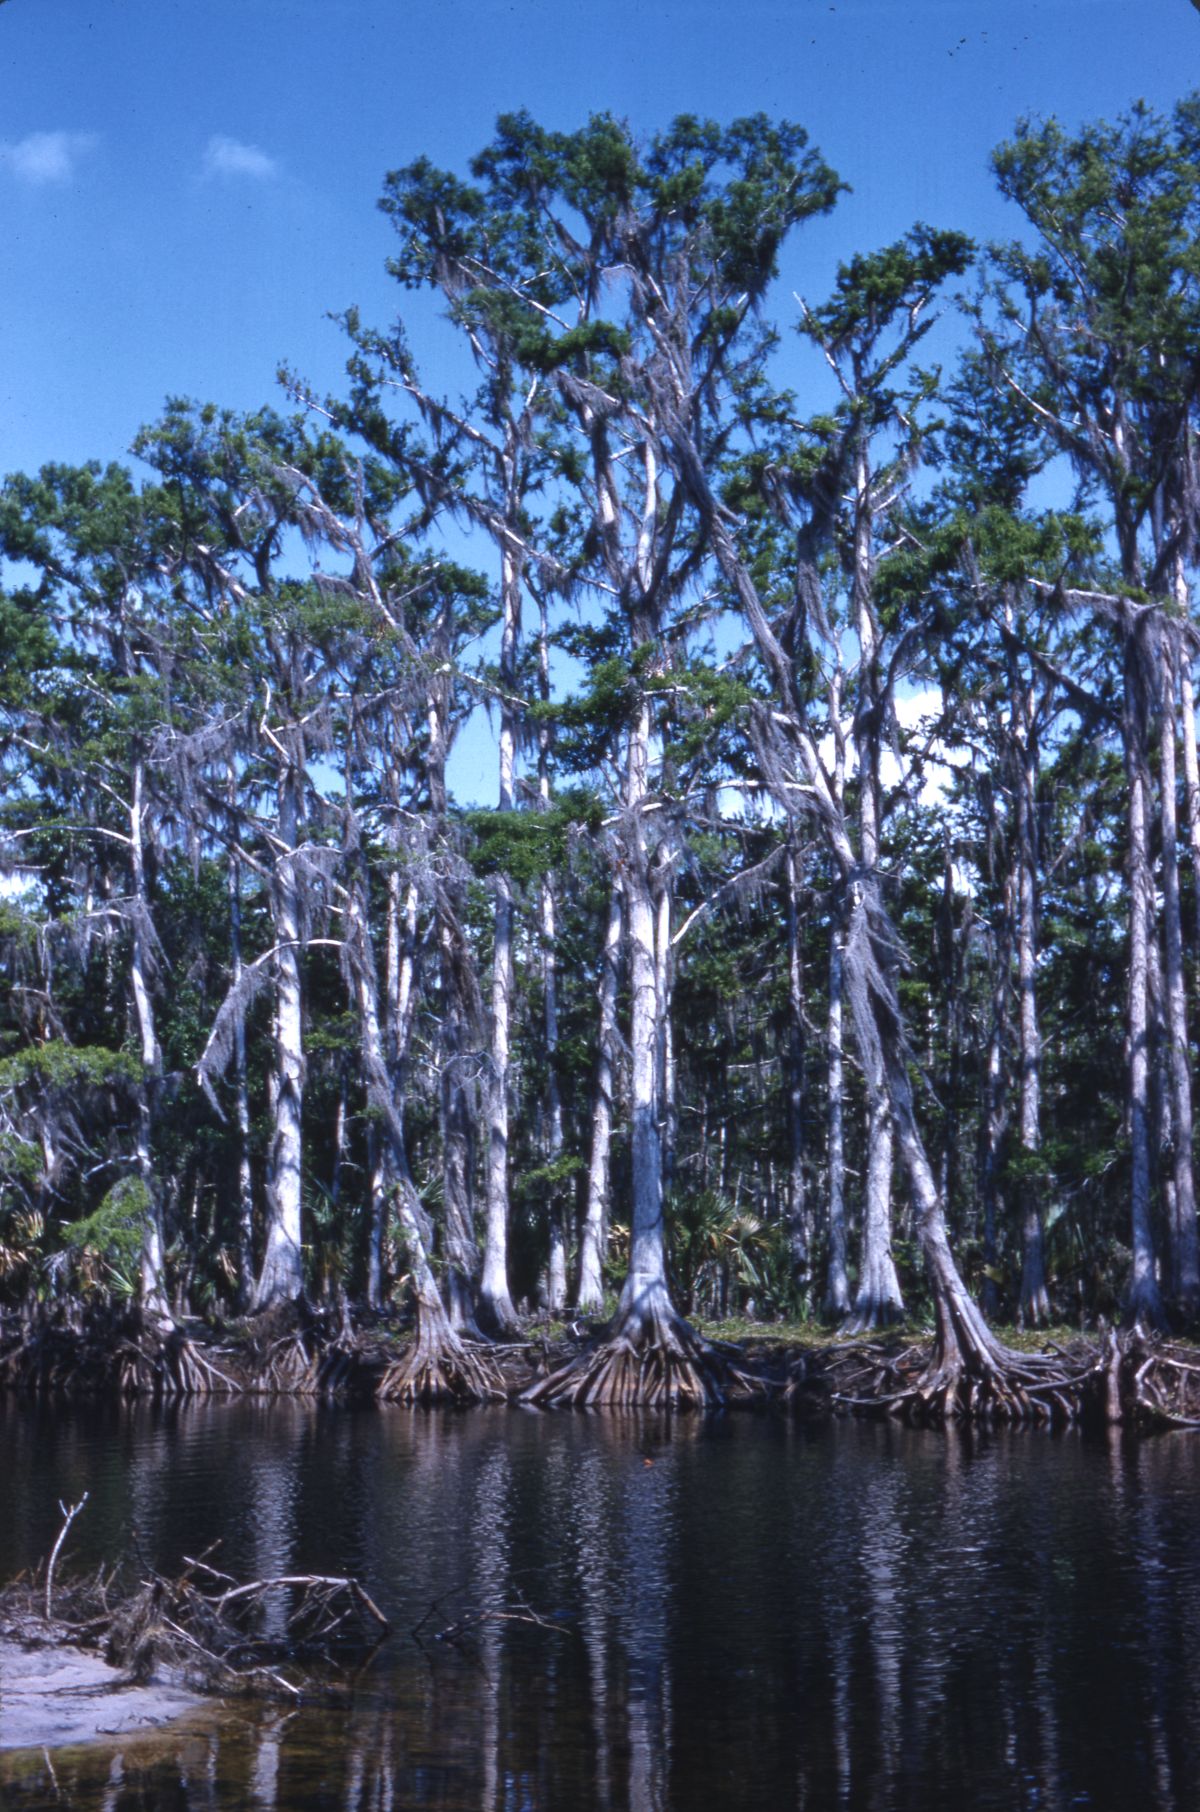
1130	1378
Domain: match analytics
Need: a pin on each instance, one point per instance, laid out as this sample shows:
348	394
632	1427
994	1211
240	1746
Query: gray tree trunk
799	1233
281	1274
1185	1255
877	1299
1144	1299
645	1293
664	969
592	1246
557	1264
1034	1304
458	1195
837	1282
496	1311
245	1206
1191	776
994	1120
556	1274
152	1288
381	1098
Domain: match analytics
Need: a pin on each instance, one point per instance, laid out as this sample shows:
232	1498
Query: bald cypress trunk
646	1283
1034	1304
796	1207
837	1281
152	1289
592	1245
281	1274
556	1272
245	1191
1185	1256
877	1299
458	1194
496	1310
994	1119
1144	1299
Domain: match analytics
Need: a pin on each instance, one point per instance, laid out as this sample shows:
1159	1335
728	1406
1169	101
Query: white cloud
46	157
229	157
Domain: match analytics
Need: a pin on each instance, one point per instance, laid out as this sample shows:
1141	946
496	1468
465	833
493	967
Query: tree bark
556	1275
837	1282
1185	1255
1034	1304
592	1246
152	1289
281	1274
1143	1298
796	1209
877	1299
645	1289
496	1312
245	1194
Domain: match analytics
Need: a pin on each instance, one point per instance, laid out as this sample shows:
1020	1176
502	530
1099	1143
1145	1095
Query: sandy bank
51	1696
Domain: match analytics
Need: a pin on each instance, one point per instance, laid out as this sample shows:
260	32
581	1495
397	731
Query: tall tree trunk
556	1277
1185	1256
796	1209
281	1275
496	1312
645	1292
590	1296
664	971
1144	1299
245	1192
964	1344
387	1112
556	1272
1034	1304
401	947
837	1282
152	1289
458	1196
993	1121
1191	776
462	1258
877	1299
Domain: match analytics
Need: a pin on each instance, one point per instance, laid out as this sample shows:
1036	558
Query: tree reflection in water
738	1612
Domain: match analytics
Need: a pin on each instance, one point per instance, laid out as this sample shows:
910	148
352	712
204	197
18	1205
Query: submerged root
649	1359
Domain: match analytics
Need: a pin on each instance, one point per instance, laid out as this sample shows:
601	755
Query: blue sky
188	186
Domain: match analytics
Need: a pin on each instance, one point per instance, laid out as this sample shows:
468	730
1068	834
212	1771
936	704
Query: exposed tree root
650	1358
438	1366
294	1350
71	1348
1131	1379
160	1361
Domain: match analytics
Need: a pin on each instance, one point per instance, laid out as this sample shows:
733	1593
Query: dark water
742	1613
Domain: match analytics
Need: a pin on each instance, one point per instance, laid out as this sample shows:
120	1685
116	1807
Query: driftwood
459	1632
201	1628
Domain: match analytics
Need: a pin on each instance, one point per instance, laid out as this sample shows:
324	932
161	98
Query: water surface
732	1613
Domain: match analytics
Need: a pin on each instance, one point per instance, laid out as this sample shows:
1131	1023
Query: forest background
814	605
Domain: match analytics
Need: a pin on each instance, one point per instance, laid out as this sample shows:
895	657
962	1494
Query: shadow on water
636	1613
